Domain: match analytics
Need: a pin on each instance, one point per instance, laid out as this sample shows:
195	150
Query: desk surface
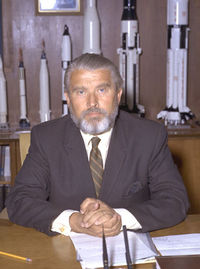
58	252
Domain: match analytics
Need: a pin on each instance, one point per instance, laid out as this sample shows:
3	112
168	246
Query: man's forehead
99	71
85	76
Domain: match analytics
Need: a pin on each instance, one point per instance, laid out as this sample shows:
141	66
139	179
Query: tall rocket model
44	88
24	122
91	30
66	58
176	111
3	98
129	58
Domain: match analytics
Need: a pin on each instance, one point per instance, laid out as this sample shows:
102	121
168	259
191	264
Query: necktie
96	164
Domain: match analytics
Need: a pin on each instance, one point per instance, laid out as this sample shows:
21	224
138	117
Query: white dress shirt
61	223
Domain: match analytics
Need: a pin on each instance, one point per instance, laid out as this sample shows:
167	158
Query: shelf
12	140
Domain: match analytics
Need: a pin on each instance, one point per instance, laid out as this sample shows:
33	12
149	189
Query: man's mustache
94	109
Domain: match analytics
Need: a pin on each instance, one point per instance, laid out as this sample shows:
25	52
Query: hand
94	214
89	204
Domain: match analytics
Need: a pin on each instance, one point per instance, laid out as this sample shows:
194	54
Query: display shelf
11	139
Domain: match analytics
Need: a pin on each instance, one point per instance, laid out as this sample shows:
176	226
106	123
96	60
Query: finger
89	204
91	217
97	217
96	230
90	207
109	222
101	218
108	217
86	202
115	229
75	224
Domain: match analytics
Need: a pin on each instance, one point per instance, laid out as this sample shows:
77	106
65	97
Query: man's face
93	100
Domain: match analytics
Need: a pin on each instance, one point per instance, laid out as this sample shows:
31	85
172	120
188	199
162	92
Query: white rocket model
3	98
129	58
44	89
176	111
24	122
91	29
66	58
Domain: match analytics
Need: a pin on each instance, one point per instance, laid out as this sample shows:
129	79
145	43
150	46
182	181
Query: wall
22	28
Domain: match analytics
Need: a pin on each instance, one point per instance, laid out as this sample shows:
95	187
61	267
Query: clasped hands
95	214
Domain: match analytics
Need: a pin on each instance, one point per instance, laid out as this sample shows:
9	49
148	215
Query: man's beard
95	125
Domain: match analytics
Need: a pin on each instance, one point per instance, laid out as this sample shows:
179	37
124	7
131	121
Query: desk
58	252
46	252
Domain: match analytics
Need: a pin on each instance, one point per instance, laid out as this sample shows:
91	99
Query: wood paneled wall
185	150
22	28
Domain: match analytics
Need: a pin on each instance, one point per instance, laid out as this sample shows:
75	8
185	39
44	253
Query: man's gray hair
92	62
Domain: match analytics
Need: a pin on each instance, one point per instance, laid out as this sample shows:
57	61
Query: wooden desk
58	252
12	140
46	252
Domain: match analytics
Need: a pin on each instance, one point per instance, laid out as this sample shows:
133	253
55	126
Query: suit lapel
116	154
77	155
75	148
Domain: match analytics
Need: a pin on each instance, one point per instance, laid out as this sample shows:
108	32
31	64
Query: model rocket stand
129	59
23	122
176	112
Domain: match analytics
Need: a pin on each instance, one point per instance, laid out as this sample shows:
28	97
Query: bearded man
98	166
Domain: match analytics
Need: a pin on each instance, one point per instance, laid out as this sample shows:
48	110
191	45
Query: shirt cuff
128	219
61	223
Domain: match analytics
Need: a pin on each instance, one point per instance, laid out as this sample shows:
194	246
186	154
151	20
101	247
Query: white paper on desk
183	244
89	249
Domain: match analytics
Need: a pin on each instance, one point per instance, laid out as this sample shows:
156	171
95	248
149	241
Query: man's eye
102	90
80	92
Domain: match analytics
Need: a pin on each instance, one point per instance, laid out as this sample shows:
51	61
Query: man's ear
67	97
119	95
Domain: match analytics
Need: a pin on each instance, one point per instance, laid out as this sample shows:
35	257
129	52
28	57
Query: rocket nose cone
129	12
66	30
43	55
129	3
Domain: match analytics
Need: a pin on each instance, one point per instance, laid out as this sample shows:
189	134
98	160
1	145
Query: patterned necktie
96	164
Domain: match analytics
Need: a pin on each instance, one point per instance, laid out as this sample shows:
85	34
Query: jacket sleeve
168	202
27	203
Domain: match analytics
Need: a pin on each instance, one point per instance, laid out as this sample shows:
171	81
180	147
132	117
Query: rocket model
44	88
66	58
176	111
129	58
91	30
3	99
24	122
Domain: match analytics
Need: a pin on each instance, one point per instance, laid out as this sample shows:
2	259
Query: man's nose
92	100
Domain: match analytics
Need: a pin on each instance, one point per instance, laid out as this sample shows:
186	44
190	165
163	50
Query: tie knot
95	141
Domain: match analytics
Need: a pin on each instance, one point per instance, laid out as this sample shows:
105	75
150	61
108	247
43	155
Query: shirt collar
105	138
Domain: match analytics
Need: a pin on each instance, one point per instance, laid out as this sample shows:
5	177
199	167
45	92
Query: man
59	189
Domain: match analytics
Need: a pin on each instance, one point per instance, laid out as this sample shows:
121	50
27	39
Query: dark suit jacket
139	175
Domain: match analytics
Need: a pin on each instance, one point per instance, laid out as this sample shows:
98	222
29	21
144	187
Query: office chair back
24	143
